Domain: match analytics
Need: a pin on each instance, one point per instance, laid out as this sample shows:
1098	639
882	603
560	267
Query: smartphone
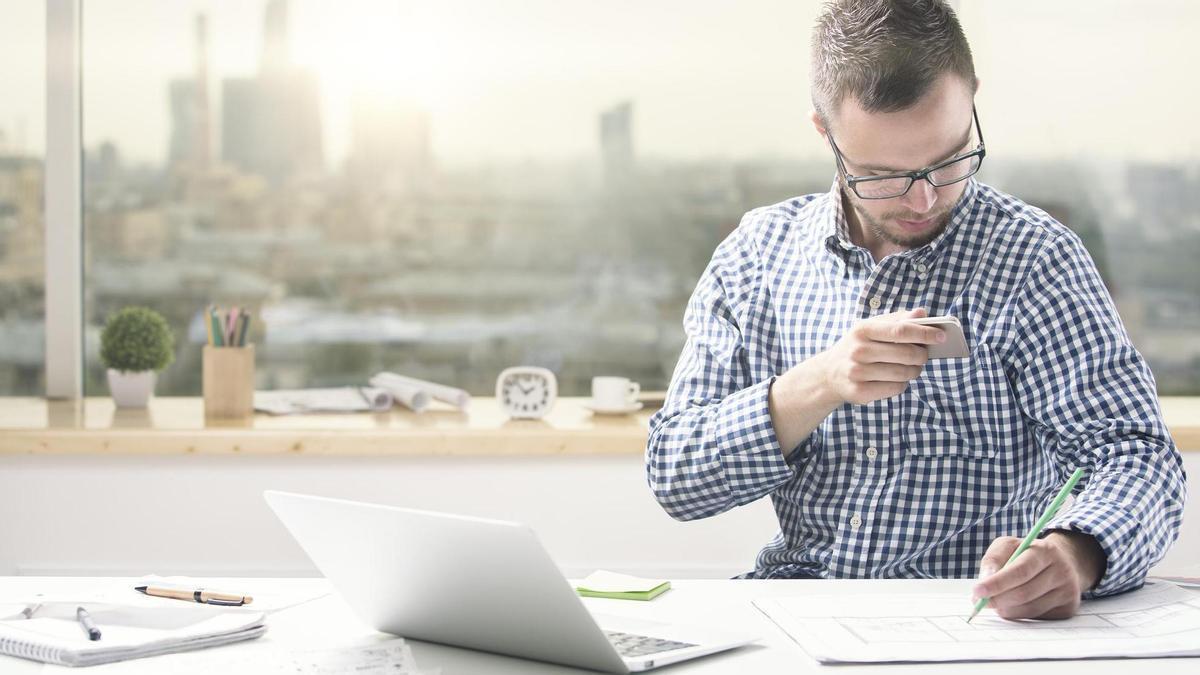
955	346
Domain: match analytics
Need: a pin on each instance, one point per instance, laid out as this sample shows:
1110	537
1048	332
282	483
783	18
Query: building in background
271	123
191	142
616	141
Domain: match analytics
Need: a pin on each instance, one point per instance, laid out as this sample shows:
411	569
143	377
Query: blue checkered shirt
920	484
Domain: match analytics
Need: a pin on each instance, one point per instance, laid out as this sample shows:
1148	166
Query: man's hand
1045	581
875	360
879	356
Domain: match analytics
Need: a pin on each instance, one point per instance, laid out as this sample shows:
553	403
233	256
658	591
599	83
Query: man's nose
921	196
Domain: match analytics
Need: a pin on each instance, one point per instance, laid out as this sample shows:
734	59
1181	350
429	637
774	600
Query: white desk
329	623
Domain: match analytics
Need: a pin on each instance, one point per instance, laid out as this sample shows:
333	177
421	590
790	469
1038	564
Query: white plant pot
131	389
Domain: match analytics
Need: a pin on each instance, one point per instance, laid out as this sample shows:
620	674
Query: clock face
526	392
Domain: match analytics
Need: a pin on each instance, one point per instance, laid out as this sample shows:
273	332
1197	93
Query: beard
941	218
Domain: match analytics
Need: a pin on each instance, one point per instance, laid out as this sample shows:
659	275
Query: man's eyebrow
874	167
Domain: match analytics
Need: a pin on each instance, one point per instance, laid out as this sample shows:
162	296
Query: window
439	189
22	134
445	189
1083	110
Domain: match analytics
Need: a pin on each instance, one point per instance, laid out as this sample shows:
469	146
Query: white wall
204	515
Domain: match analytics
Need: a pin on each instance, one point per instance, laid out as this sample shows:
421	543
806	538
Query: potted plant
136	343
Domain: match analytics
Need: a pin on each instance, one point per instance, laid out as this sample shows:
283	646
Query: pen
245	319
198	595
231	327
1037	529
26	613
215	323
89	626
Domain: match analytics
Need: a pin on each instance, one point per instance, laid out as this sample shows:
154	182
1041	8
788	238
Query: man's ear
818	123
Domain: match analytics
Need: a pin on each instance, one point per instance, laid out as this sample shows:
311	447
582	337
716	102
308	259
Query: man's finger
1025	567
1046	596
890	352
903	332
885	372
1031	595
997	554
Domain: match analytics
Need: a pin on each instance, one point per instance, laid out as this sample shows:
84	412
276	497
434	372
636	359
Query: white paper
53	633
1158	620
335	400
603	581
413	397
458	398
390	657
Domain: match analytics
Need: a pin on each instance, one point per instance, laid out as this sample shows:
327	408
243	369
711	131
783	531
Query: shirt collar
836	232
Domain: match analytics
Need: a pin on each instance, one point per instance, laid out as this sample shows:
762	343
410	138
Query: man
803	377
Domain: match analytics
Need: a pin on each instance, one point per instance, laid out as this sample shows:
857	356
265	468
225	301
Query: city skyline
520	83
384	252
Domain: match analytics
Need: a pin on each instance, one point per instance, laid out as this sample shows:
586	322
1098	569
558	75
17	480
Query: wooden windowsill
173	425
178	426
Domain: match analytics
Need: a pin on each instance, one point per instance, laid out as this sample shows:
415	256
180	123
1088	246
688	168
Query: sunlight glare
377	57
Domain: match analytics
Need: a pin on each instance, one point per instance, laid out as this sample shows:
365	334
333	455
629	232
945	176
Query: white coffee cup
614	393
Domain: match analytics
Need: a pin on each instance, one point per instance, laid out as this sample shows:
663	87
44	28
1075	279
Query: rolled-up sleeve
1094	404
713	447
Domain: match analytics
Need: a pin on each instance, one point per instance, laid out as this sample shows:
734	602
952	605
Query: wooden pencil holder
228	381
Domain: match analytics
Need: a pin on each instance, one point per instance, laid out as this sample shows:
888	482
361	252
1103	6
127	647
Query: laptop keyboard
628	644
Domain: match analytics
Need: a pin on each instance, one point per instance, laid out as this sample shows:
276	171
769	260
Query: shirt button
922	268
856	522
875	302
872	453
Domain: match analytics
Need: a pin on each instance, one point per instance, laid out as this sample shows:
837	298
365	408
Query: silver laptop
476	583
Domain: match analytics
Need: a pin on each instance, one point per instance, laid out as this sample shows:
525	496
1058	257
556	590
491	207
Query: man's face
938	127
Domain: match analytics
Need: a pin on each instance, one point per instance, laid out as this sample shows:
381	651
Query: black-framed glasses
953	170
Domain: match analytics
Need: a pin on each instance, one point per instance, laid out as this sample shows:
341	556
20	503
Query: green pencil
1037	529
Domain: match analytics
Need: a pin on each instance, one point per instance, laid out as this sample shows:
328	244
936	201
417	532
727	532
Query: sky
708	78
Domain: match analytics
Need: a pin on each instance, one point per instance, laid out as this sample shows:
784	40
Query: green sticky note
627	595
604	584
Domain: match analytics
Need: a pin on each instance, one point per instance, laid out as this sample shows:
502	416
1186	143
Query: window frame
62	196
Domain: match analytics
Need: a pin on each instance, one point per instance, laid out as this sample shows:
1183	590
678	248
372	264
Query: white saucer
632	407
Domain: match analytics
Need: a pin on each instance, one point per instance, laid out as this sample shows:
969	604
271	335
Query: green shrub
136	339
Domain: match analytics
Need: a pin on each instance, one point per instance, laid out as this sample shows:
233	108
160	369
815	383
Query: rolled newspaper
455	397
414	397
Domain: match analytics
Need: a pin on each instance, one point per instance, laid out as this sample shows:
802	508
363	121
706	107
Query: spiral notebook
51	633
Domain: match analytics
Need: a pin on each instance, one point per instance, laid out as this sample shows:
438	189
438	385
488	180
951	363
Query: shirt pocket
958	408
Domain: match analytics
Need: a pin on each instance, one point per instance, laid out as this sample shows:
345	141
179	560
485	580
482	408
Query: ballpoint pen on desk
1035	531
198	595
89	626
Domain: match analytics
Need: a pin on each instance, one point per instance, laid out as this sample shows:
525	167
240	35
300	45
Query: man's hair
885	53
